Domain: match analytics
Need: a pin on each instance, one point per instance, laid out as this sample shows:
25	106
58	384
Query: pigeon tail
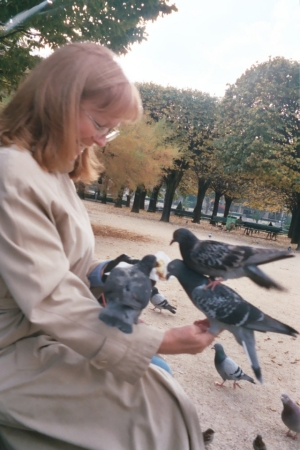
169	307
272	325
260	278
247	378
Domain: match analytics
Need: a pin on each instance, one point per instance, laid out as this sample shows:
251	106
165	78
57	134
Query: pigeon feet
236	384
288	434
213	283
217	383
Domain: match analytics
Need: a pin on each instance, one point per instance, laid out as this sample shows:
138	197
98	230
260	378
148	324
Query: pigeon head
285	399
147	263
174	268
219	349
154	291
183	236
220	355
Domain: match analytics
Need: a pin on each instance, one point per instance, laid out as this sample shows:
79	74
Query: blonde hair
43	115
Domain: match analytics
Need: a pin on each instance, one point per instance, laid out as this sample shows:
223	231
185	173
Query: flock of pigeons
204	265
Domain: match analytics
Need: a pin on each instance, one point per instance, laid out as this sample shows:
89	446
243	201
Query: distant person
270	224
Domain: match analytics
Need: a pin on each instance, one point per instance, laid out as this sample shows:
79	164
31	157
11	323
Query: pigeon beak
172	241
168	276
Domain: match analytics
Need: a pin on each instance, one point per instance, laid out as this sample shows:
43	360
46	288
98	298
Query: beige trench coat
67	381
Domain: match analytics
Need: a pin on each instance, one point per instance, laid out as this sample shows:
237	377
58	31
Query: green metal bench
271	231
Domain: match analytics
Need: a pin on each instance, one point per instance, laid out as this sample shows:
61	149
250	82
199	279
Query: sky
207	44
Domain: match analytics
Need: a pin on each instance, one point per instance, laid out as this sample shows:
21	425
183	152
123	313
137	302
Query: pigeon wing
219	256
225	305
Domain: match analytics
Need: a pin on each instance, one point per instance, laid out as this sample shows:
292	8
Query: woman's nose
100	140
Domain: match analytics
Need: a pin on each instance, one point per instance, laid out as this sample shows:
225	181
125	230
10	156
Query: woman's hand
191	339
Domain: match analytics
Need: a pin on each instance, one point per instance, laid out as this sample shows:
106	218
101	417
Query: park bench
271	231
219	220
183	213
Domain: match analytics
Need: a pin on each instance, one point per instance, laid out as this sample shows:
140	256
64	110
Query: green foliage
191	114
259	124
116	24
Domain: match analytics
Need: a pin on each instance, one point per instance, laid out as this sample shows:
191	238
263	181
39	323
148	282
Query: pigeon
290	416
127	292
160	302
208	436
227	368
226	309
258	443
217	259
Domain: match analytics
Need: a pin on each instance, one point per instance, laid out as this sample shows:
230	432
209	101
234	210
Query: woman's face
93	125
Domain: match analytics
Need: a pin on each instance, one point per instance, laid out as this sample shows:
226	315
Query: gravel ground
237	416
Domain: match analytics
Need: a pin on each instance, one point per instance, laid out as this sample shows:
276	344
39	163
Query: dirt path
237	416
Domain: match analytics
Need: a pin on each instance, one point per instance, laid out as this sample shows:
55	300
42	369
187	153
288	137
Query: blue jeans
158	361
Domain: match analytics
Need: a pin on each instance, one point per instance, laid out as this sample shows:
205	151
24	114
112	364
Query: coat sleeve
37	273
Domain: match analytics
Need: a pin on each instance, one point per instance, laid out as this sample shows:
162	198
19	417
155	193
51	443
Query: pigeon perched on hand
226	309
217	259
227	368
208	436
290	416
258	443
127	291
160	302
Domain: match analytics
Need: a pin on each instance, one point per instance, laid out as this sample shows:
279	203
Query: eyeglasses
109	133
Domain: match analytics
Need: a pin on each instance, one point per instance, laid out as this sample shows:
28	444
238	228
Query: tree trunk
172	181
218	195
228	202
142	198
294	232
104	191
80	189
203	185
118	202
153	199
136	202
128	197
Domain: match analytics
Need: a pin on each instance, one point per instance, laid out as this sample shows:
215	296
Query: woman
67	381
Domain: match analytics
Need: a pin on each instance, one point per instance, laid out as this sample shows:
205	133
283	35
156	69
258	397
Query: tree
138	156
116	24
259	126
191	115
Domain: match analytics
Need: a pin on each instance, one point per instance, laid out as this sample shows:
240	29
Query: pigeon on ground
258	443
226	309
127	291
160	302
290	416
217	259
227	368
208	436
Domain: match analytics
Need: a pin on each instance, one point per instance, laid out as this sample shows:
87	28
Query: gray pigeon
227	368
258	443
217	259
290	416
160	302
226	309
127	292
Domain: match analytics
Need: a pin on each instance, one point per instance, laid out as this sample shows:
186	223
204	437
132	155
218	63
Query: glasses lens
112	135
